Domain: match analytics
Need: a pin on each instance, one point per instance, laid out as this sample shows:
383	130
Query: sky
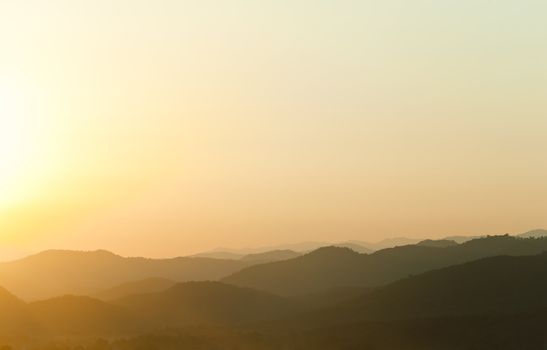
163	128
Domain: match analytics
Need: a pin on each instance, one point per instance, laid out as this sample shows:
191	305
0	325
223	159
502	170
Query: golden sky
166	127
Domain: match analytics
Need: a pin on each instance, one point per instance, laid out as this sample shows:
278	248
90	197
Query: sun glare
17	146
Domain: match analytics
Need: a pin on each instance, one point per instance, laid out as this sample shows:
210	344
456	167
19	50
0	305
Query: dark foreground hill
504	332
333	267
492	303
56	272
207	303
501	285
491	332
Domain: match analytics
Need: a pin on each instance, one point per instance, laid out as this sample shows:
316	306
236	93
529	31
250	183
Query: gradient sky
167	127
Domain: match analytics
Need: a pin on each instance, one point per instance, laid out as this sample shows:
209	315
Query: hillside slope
333	267
15	318
147	285
56	272
207	303
496	285
78	315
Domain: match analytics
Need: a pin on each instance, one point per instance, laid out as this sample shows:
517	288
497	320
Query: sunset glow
241	124
273	174
18	149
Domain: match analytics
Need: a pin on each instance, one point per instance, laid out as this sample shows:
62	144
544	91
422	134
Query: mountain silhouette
58	272
389	243
272	255
461	239
501	285
220	254
329	298
15	318
301	248
148	285
355	246
333	267
207	303
319	270
81	315
538	233
440	243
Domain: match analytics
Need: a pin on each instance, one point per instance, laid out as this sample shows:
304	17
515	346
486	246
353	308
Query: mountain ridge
318	270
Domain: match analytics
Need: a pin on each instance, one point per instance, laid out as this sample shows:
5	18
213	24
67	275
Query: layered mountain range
402	293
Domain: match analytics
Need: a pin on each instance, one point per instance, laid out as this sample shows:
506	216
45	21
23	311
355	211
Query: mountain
461	239
148	285
484	332
490	286
273	255
9	254
502	284
207	303
492	303
534	234
329	298
57	272
240	253
15	318
391	243
64	316
300	247
440	243
333	267
355	246
79	315
219	255
254	258
320	270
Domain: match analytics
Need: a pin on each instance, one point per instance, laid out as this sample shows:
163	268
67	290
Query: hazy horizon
241	249
173	127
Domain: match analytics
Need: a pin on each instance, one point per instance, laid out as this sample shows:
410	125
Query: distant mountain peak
274	255
65	252
439	243
333	251
6	295
539	232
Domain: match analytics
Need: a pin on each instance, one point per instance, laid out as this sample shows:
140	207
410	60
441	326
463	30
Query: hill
301	248
220	254
273	255
496	285
207	303
15	318
333	267
492	303
538	233
356	247
389	243
78	315
323	269
441	243
57	272
148	285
